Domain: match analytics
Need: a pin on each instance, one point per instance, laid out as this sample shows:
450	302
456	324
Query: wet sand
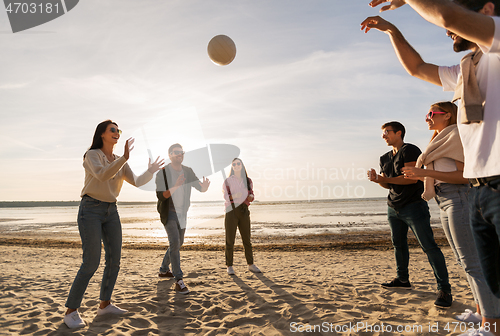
353	240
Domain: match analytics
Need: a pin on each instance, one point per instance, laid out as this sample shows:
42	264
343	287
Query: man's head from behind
176	153
393	132
459	43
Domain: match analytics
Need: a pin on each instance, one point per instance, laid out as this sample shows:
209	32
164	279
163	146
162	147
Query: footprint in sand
139	323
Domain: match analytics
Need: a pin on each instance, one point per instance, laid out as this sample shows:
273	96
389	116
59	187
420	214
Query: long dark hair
243	170
97	140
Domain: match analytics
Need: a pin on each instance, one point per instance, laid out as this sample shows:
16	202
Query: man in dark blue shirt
406	210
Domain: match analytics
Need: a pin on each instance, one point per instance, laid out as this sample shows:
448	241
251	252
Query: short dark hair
171	148
477	5
396	126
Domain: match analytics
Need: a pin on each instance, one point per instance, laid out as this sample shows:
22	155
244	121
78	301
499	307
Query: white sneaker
469	316
230	270
73	320
111	309
253	268
180	287
477	332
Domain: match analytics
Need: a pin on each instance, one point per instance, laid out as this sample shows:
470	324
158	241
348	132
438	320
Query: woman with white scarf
444	181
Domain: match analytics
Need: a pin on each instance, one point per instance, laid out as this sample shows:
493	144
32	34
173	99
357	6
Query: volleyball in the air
221	50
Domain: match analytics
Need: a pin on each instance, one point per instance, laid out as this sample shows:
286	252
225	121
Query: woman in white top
444	181
98	218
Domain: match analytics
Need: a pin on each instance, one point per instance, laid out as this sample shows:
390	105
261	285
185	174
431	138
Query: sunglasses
115	130
236	164
386	132
431	114
176	152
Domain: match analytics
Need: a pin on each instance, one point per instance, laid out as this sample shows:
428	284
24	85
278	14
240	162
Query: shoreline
359	240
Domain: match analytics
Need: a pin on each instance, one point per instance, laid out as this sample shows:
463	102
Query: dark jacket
163	204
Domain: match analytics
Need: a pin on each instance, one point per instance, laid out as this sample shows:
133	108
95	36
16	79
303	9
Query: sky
303	100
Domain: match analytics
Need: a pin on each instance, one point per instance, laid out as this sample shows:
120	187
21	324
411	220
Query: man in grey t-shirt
173	190
177	204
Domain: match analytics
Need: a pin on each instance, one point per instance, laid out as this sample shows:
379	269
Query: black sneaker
444	300
167	274
396	283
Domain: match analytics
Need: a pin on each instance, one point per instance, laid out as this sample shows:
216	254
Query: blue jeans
484	211
175	240
454	204
416	216
97	221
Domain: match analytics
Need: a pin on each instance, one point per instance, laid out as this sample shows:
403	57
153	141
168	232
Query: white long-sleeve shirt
104	179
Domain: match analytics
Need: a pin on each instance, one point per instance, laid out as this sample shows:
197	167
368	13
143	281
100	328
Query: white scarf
446	144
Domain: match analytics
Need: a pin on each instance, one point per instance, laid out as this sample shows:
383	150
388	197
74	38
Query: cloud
9	141
306	84
13	86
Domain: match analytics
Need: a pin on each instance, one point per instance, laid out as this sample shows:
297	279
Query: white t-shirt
481	141
446	165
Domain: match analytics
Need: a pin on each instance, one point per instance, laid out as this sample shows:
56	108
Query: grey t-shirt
177	204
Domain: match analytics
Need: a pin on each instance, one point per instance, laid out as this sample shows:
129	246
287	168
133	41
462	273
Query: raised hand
129	145
155	166
394	4
205	184
180	180
375	22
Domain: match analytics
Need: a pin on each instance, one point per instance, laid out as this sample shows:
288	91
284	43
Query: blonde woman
444	181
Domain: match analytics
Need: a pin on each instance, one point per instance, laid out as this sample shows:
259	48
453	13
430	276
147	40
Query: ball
221	50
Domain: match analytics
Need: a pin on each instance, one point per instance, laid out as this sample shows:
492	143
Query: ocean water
140	220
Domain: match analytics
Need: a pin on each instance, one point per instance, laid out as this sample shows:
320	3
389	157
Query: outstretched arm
141	180
408	57
455	177
475	27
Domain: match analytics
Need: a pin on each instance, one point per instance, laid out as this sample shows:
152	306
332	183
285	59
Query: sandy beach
315	292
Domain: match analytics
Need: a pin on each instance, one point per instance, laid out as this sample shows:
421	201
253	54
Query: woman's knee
89	266
113	261
400	243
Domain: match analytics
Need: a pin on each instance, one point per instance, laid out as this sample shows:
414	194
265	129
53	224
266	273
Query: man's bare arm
399	179
407	55
475	27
